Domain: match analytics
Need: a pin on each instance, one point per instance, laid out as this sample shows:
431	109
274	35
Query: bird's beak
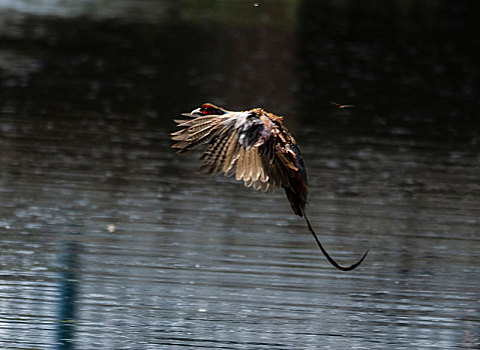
196	111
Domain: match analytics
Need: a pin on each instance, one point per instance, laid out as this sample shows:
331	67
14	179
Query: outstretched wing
231	149
248	145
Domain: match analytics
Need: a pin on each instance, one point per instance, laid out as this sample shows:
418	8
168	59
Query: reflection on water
110	240
68	282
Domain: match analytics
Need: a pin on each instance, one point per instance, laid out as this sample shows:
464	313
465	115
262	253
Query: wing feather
231	153
256	166
221	151
248	166
240	165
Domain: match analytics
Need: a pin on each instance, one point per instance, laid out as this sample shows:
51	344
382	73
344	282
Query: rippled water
110	240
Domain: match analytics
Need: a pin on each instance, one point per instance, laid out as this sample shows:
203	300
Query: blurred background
110	240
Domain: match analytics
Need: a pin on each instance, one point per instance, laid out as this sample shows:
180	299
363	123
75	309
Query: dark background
109	239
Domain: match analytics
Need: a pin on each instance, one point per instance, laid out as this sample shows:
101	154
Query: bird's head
209	109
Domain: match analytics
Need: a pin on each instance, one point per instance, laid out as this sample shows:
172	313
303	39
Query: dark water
111	241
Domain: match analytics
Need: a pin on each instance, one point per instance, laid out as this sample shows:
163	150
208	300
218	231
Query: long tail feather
329	258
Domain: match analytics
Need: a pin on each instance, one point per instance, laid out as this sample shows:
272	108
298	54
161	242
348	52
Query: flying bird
340	106
255	147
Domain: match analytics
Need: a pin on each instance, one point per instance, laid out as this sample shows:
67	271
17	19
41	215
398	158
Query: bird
340	106
256	148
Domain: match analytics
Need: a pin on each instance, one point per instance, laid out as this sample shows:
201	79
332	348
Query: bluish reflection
67	300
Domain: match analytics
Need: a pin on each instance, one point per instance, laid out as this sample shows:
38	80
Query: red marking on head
209	109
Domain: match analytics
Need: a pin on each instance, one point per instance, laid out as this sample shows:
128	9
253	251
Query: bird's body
254	146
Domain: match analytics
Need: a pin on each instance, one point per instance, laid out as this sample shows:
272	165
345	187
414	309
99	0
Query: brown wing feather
195	134
230	153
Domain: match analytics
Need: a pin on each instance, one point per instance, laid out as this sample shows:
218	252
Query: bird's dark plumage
254	146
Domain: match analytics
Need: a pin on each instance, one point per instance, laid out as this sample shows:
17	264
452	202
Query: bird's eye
207	109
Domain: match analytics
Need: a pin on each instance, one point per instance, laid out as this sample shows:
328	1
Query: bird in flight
255	147
340	106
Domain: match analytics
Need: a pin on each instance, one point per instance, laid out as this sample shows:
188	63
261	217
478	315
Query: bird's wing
240	144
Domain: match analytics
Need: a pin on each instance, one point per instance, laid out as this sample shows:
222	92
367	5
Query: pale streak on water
110	240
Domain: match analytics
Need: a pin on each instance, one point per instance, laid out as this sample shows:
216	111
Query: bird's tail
329	258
